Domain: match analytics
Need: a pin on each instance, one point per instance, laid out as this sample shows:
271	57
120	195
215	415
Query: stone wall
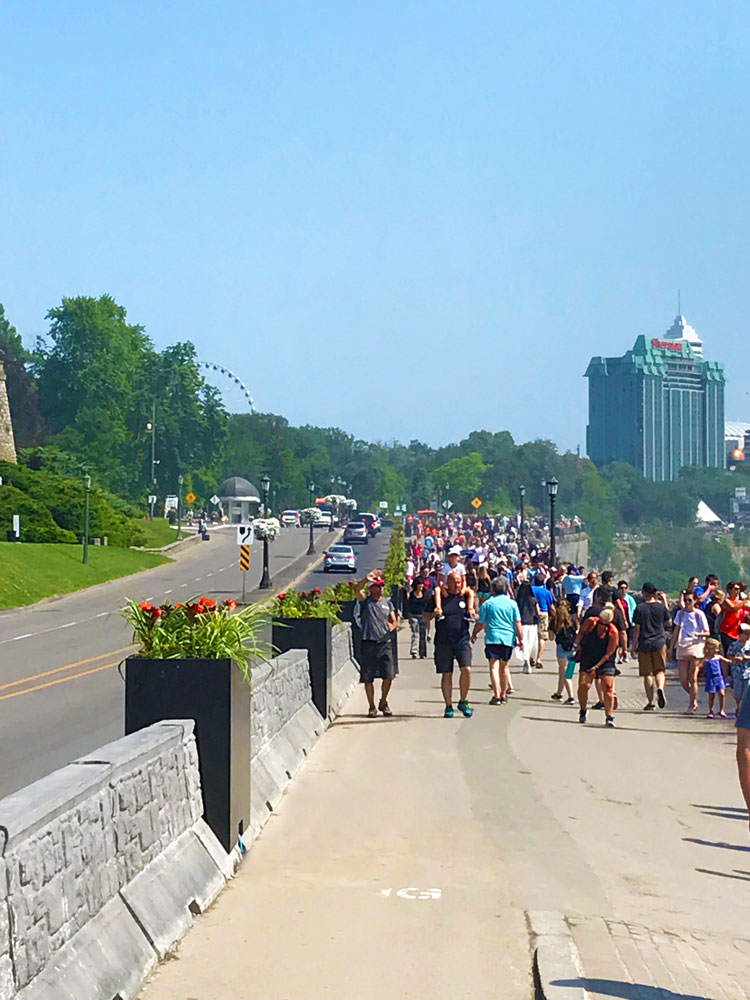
82	865
7	443
280	689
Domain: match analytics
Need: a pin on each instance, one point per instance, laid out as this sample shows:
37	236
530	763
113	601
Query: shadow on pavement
716	843
592	724
740	876
627	991
382	719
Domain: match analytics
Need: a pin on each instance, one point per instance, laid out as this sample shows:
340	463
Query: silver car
356	532
340	557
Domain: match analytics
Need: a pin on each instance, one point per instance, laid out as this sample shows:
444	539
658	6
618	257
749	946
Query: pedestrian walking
453	647
687	646
713	673
564	627
598	646
377	619
500	617
650	623
529	609
417	603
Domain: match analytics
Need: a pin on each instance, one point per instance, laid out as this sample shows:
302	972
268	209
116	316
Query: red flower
281	597
208	603
316	590
231	604
178	605
157	612
145	606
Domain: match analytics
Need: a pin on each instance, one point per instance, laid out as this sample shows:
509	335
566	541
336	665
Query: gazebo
240	499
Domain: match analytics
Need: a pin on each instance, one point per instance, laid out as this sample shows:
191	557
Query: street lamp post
179	506
311	546
265	580
552	485
522	492
87	484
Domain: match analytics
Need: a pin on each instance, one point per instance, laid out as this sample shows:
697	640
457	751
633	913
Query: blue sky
407	219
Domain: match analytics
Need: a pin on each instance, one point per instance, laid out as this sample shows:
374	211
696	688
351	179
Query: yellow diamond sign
477	502
191	497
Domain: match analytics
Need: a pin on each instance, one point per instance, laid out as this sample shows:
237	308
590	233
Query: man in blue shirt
571	584
500	616
545	599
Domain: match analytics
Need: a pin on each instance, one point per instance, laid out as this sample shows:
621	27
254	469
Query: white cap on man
454	550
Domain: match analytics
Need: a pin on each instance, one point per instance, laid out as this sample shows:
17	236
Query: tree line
82	400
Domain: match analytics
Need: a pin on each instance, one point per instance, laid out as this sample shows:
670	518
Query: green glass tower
659	407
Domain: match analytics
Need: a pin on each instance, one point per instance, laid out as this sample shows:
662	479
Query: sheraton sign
666	345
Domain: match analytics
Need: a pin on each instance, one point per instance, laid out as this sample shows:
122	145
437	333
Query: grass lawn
29	572
158	533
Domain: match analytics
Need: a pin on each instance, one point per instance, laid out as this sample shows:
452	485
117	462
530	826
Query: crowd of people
469	576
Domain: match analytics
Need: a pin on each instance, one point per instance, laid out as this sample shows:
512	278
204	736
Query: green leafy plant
306	604
199	629
395	561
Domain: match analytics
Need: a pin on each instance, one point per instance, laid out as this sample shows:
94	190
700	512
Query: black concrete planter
314	635
215	695
346	610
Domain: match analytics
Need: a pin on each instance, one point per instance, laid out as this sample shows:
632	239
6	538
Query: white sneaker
526	668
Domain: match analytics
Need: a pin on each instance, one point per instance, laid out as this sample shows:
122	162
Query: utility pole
179	507
87	484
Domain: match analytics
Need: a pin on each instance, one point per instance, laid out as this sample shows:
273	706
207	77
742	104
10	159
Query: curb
557	964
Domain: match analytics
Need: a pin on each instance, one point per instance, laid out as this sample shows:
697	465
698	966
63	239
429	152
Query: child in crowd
738	652
713	672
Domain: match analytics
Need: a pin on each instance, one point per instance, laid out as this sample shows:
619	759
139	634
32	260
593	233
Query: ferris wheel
238	386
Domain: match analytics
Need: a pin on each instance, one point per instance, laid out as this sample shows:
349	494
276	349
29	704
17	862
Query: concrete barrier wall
280	689
104	865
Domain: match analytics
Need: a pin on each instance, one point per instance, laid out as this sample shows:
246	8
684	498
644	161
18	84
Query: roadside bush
65	501
37	524
395	561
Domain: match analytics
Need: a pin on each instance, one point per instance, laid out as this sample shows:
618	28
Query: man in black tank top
452	645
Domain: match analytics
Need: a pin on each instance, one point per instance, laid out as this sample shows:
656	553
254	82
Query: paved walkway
633	840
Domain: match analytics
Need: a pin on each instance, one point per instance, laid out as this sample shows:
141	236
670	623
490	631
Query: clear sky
407	219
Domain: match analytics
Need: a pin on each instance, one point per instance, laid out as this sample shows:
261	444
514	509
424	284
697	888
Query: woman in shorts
687	644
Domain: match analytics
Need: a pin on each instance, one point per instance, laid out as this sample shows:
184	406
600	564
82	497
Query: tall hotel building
659	407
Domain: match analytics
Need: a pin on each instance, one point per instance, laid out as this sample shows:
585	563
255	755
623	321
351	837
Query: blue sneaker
448	713
465	709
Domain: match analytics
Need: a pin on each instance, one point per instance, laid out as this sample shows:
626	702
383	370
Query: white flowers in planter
267	527
309	515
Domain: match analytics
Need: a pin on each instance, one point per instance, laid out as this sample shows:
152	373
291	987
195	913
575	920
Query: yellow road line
59	680
68	666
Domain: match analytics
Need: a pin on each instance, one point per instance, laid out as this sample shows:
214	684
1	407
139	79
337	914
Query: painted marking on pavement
167	591
67	666
413	893
59	680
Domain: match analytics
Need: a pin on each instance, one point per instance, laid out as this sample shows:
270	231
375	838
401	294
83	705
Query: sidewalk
375	879
621	849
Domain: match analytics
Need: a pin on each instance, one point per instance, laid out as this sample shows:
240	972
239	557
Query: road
61	695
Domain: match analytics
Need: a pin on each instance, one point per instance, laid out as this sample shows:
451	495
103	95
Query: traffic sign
447	504
190	497
215	499
383	505
152	498
477	502
245	534
244	558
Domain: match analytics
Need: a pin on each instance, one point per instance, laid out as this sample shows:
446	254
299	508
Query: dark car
356	533
371	523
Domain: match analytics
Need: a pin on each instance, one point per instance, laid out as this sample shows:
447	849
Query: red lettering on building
666	345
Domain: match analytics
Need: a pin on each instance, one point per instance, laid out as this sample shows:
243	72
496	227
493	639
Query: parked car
340	557
289	519
356	532
325	520
371	522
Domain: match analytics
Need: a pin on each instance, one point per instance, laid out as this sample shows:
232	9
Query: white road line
183	585
209	574
15	638
167	591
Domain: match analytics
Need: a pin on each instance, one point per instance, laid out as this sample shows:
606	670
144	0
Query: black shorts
376	661
445	655
608	670
496	651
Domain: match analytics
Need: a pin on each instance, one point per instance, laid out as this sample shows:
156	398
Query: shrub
37	524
